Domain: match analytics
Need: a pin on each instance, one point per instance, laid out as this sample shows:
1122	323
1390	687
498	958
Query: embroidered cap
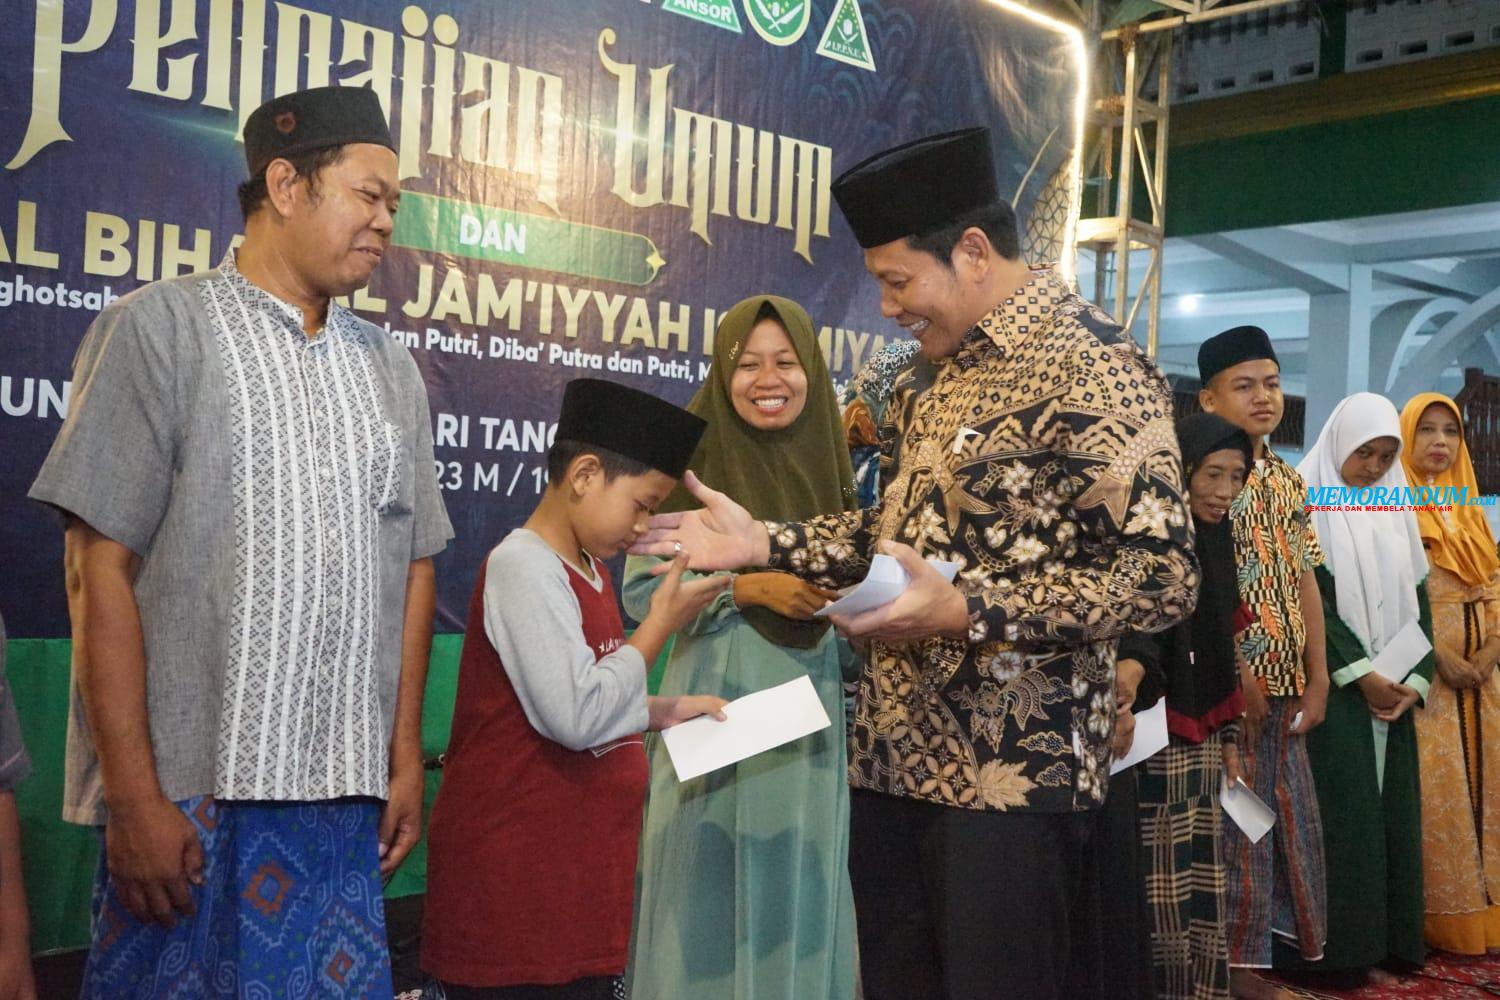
631	423
918	187
313	119
1233	347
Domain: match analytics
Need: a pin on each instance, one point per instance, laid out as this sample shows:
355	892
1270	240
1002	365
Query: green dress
743	876
1372	821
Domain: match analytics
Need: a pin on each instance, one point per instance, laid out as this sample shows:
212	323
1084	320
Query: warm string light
1067	265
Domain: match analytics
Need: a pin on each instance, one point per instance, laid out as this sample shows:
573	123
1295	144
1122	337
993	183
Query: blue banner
587	186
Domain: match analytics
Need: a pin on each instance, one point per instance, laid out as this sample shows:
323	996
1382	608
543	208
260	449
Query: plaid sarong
1180	834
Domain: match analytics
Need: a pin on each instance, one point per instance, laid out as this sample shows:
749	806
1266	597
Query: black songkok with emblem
1233	347
918	187
629	422
313	119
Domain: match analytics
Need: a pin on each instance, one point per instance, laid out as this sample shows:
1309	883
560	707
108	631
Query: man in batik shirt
246	473
1042	459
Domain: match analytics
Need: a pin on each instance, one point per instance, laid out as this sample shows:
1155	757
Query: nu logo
780	22
784	22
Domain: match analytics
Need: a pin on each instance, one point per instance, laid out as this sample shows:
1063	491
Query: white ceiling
1269	276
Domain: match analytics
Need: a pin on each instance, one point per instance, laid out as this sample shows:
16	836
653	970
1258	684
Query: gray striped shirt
276	487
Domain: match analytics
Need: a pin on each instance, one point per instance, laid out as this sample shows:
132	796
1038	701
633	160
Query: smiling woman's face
769	386
1215	483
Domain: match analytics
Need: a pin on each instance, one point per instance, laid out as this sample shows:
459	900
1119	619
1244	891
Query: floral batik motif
1042	459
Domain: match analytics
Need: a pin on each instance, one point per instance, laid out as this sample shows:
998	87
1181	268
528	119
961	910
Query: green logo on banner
719	13
845	38
780	22
448	226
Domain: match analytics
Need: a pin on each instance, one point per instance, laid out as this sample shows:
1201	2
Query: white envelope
882	584
1405	649
756	723
1243	806
1150	737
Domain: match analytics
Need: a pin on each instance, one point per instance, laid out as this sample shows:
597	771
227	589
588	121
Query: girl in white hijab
1364	755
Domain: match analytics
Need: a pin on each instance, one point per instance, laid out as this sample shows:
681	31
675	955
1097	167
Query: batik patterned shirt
1274	545
1043	460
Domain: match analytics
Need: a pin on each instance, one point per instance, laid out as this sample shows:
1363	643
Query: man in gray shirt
246	475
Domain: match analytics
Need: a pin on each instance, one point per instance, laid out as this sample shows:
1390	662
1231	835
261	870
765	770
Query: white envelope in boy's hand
754	724
882	585
1243	806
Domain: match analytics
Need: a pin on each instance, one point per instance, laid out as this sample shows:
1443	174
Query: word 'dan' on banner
586	188
446	226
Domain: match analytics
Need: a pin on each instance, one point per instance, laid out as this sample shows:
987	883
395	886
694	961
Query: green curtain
59	858
437	717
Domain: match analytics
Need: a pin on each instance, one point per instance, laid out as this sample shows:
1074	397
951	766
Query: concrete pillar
1338	349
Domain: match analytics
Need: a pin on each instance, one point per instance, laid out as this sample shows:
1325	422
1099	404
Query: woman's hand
1456	672
1380	694
1406	697
1482	663
782	593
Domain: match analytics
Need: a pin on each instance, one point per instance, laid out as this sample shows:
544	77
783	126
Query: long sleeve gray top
571	693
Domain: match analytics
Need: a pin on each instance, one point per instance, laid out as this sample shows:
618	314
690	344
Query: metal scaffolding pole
1130	134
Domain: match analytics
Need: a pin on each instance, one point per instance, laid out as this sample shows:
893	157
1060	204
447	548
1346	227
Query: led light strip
1067	264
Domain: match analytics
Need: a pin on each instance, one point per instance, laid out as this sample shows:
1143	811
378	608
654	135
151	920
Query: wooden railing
1479	402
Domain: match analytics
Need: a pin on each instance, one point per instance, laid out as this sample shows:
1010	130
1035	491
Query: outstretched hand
722	535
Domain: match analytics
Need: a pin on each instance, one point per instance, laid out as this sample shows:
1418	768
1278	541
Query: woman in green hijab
744	887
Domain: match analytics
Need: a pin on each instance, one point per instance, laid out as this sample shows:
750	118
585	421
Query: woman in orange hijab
1458	733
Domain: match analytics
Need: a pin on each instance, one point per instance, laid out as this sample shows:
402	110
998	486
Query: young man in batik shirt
1277	897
